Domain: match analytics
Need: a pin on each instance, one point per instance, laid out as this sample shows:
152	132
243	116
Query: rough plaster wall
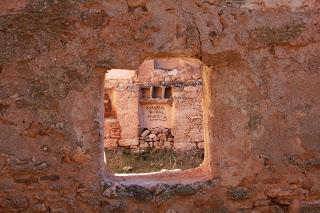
262	107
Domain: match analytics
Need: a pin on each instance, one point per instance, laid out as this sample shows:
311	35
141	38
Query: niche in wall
156	92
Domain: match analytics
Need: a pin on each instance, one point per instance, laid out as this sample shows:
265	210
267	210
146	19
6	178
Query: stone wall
261	106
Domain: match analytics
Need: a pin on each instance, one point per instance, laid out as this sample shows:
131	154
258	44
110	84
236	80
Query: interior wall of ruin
261	106
188	116
124	99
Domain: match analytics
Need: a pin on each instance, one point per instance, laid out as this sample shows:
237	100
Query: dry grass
151	160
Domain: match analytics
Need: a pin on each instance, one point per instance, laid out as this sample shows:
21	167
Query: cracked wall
261	111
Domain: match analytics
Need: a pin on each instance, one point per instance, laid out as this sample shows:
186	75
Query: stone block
166	132
145	133
128	142
152	135
118	74
110	143
185	146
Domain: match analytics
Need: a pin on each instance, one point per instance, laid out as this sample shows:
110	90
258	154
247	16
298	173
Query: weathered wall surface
262	108
188	128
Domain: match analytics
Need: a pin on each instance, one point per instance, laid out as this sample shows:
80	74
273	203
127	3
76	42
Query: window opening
168	92
157	92
145	93
153	117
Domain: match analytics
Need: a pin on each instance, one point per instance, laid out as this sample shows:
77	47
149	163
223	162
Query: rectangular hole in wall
154	127
168	92
157	92
145	93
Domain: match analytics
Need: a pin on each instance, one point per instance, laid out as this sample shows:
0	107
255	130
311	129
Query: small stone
166	132
284	200
145	133
15	97
173	72
41	166
139	192
152	135
127	168
151	144
144	145
114	191
183	190
149	139
155	139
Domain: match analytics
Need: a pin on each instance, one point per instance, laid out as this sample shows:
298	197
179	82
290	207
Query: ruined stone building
248	71
158	105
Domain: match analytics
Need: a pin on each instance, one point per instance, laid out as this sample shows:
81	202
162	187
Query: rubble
159	137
